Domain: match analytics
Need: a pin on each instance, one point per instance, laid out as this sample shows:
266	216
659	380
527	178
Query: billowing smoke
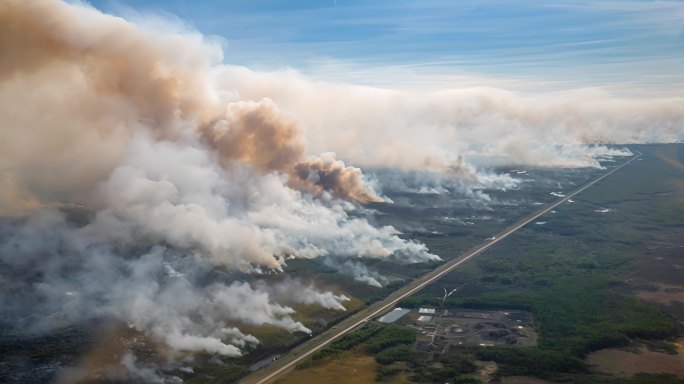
438	183
110	264
134	189
461	130
258	134
239	218
294	291
326	173
87	83
68	278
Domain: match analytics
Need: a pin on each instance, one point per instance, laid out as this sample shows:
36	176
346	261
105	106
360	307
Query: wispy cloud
583	43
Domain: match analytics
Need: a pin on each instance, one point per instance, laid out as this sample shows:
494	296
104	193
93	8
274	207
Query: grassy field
350	367
393	356
639	359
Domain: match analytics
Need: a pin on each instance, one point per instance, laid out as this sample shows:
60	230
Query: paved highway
306	349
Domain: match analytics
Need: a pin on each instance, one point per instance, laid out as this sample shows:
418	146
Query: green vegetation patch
390	336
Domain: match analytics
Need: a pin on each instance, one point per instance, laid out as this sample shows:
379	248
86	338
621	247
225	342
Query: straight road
310	347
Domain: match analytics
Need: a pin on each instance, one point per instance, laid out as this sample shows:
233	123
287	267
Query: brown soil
621	362
665	294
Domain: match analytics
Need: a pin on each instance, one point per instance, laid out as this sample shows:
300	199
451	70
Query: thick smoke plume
258	134
132	188
87	82
460	130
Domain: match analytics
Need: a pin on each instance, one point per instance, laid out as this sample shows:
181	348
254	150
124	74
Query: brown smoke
326	173
258	134
76	85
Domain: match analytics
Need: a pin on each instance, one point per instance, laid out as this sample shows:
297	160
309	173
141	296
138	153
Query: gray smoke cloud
443	183
57	276
146	373
88	83
294	291
257	133
176	195
461	130
128	180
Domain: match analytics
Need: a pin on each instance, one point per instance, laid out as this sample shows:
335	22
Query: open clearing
622	362
349	368
665	294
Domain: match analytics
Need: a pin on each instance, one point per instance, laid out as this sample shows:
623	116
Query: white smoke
146	373
440	183
357	271
452	129
176	194
294	291
239	218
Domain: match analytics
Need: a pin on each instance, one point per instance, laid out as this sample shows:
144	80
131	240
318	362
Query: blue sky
583	42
